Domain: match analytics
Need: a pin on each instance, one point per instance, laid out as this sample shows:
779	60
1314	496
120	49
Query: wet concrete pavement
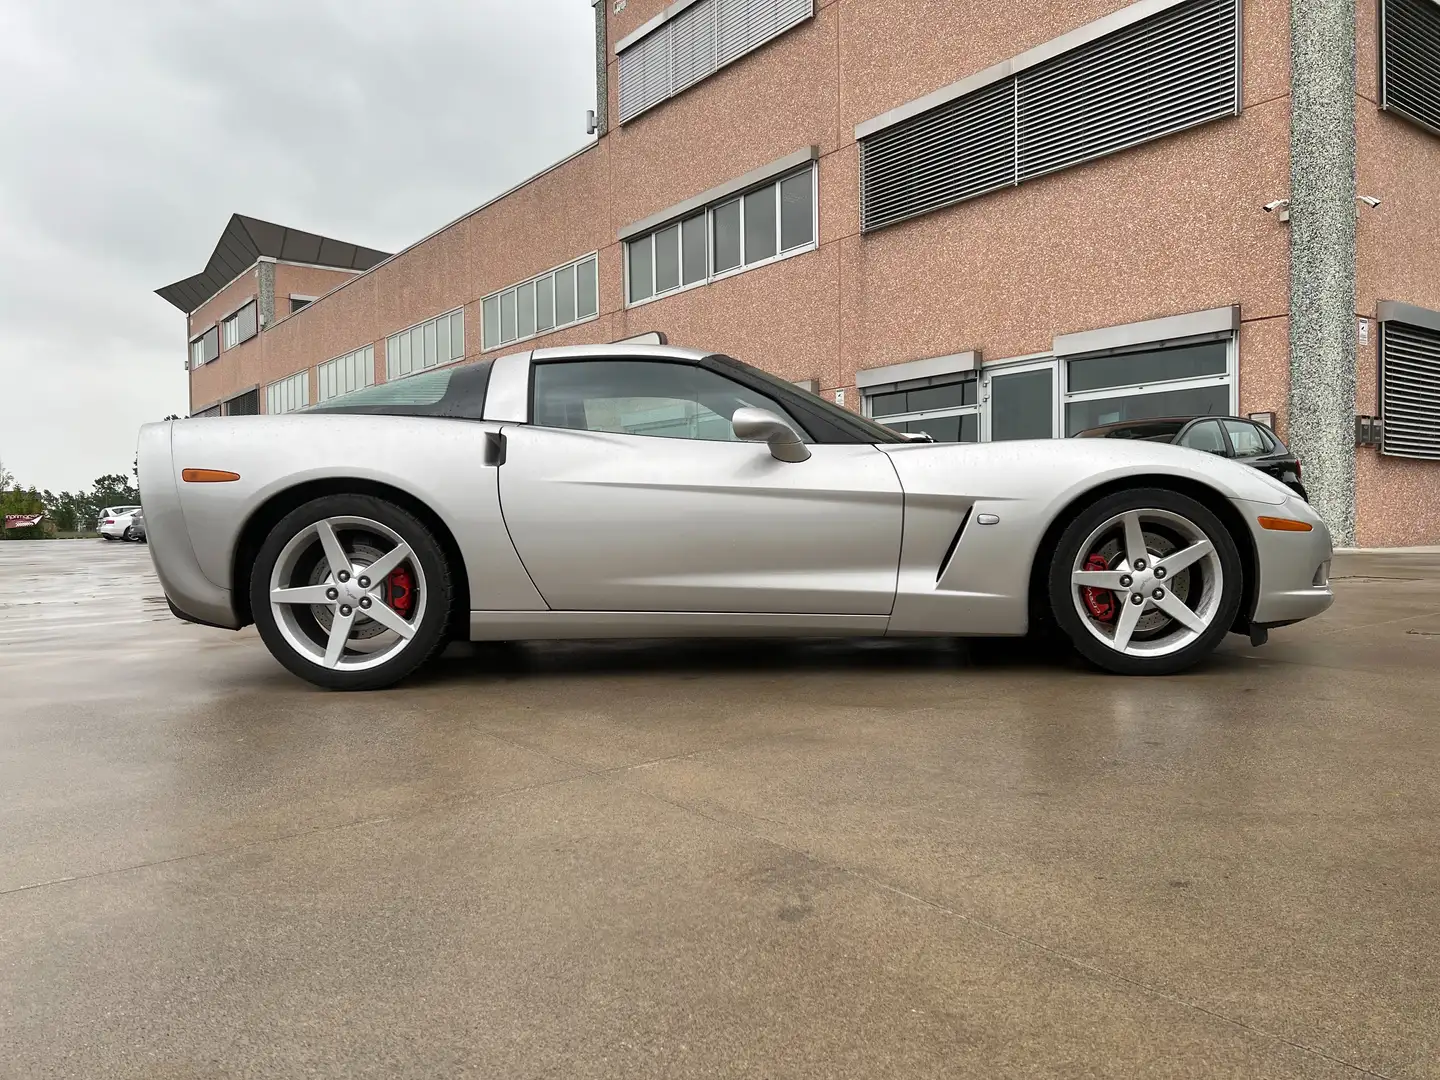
714	859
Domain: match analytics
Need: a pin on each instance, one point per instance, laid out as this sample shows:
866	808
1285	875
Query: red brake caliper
1101	602
400	594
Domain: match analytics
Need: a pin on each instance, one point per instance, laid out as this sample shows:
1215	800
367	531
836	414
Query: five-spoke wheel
1145	582
351	592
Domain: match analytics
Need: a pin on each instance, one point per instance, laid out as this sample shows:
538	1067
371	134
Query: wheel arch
1202	493
269	514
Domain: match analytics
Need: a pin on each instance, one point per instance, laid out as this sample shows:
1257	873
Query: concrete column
1322	255
265	278
602	69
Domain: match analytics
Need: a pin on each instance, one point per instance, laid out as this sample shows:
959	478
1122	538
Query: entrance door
630	492
1020	402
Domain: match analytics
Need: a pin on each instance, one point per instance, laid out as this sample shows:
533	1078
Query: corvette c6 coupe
648	491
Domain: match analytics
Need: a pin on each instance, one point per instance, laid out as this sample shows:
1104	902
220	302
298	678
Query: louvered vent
1166	73
692	46
1410	59
701	39
962	149
1157	77
747	24
1410	391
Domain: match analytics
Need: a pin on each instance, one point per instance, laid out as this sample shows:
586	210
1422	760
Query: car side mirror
762	425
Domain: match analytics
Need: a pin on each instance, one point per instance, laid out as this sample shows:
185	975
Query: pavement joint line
405	815
993	928
1383	622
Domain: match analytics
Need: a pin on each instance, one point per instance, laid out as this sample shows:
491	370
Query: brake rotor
364	627
1113	554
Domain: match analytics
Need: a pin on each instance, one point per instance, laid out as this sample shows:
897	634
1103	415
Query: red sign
21	521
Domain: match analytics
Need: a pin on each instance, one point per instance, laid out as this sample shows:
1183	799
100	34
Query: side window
644	397
1205	436
1247	439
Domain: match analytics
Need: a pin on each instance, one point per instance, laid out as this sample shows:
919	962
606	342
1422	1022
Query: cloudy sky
131	132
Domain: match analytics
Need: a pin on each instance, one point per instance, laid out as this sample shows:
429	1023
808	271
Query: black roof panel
245	239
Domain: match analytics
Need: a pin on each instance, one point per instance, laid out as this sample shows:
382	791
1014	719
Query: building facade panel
292	279
223	303
785	93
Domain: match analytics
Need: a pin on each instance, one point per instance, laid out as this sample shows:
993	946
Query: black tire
430	633
130	534
1067	551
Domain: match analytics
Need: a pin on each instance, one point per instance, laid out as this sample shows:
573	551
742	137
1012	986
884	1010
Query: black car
1245	441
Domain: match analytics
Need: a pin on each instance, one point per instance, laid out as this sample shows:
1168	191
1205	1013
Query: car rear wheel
351	592
130	533
1145	582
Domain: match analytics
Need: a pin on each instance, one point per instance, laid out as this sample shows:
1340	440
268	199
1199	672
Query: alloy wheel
348	593
1147	583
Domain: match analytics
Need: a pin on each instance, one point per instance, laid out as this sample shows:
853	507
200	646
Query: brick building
983	219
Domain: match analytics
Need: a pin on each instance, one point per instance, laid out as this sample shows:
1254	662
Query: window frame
273	389
233	320
708	211
779	407
367	364
1226	379
498	295
392	360
973	375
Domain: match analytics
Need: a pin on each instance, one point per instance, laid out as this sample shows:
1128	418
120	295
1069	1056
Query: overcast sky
132	131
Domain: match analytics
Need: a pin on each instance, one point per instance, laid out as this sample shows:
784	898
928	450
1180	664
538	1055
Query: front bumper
1294	579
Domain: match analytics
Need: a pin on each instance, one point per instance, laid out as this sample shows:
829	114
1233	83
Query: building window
438	341
287	395
1409	403
246	404
1410	60
205	348
770	222
1143	382
945	407
659	61
1125	83
557	298
344	374
240	326
298	302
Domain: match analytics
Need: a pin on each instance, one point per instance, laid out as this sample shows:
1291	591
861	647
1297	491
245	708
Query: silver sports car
648	491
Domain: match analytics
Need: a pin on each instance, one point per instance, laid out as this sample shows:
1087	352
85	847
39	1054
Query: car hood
1047	467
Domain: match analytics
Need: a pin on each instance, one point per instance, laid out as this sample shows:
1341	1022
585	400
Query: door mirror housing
762	425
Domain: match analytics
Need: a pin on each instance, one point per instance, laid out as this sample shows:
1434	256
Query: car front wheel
1145	582
351	592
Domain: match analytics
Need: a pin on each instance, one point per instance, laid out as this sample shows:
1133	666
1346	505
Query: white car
115	522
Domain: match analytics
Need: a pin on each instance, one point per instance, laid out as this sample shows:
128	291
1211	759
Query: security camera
1369	200
1278	204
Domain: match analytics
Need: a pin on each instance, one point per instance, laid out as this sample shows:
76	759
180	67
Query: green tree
113	489
18	501
7	478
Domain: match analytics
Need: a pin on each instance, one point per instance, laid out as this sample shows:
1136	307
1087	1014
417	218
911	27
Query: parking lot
902	859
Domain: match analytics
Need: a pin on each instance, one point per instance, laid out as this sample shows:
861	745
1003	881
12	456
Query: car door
629	491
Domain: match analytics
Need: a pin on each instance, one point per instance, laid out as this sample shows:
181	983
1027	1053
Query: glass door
1019	401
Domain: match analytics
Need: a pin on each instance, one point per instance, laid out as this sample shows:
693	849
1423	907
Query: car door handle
495	448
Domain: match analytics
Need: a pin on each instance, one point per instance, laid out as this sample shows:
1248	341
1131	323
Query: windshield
874	432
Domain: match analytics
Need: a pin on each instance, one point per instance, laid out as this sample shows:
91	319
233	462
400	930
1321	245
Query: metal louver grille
1410	59
1410	391
645	74
1157	77
962	149
748	24
694	44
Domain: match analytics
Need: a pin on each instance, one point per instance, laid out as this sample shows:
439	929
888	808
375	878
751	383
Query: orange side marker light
1275	524
208	476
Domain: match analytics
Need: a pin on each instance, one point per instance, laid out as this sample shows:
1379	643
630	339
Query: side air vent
1159	75
1410	60
1410	391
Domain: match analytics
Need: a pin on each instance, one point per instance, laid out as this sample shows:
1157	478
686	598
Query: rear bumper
191	595
1293	566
